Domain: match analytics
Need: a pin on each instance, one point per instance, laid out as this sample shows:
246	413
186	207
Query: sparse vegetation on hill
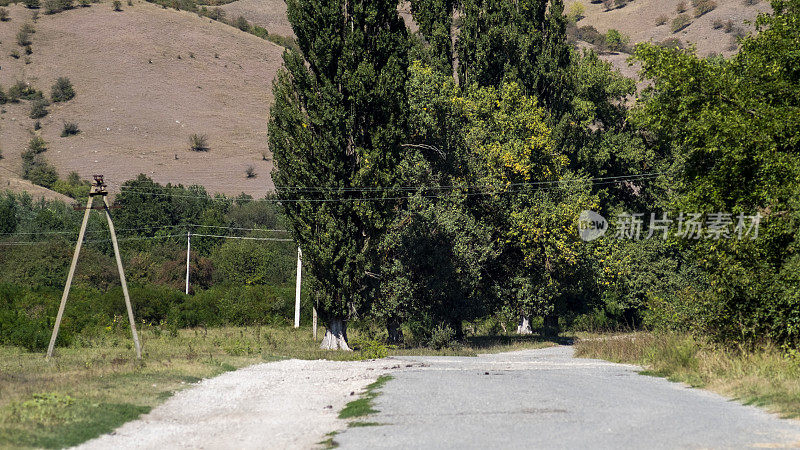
57	6
37	145
702	7
198	142
38	108
62	90
70	129
23	38
680	22
37	170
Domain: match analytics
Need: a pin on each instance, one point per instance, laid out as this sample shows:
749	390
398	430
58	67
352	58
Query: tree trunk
395	332
550	325
335	336
524	326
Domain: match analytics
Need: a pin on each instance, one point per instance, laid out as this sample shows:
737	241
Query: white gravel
285	404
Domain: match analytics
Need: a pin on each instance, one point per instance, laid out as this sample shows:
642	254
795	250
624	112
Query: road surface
548	399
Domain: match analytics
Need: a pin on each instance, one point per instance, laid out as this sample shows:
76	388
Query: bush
590	34
117	5
442	336
250	172
3	96
242	24
681	7
85	3
703	7
62	90
38	108
23	38
37	170
661	20
4	15
673	43
70	129
251	262
73	186
22	91
717	24
32	4
37	145
14	54
198	142
680	22
576	12
616	41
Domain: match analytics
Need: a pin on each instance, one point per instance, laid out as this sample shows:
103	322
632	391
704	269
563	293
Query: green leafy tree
336	126
732	127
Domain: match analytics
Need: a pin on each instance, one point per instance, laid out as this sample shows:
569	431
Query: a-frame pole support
123	281
69	277
98	189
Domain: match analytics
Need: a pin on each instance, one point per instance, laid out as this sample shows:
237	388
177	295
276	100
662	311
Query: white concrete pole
297	289
188	251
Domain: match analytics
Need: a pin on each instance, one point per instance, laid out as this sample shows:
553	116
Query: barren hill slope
146	78
639	20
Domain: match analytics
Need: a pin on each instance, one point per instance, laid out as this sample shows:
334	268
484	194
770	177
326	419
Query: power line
141	238
273	230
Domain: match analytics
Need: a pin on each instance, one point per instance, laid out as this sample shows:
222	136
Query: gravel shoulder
284	404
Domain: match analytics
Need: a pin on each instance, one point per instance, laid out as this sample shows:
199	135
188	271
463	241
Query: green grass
329	442
363	406
106	386
767	377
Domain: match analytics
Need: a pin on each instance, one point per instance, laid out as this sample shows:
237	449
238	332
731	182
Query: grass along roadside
96	384
358	409
767	377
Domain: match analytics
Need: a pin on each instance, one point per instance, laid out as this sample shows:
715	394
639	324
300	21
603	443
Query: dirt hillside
146	78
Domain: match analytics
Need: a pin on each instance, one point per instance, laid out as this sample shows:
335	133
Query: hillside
146	78
639	21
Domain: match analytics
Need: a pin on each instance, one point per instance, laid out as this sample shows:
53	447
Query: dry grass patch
766	377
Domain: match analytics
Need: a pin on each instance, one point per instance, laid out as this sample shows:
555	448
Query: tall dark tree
435	20
335	129
522	41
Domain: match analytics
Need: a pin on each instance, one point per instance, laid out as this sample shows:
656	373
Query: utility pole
188	251
297	289
98	189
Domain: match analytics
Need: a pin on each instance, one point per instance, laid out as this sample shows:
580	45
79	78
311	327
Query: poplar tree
336	129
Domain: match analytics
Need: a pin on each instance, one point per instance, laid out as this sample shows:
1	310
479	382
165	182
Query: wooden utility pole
98	189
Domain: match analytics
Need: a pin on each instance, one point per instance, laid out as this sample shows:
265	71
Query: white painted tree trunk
524	326
335	336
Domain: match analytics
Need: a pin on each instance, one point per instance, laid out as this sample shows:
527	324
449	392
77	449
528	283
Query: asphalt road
548	399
